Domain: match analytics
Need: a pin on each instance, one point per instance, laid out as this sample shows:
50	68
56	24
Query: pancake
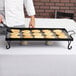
38	36
63	36
27	36
15	33
25	31
50	37
36	31
14	36
15	30
60	34
57	31
47	31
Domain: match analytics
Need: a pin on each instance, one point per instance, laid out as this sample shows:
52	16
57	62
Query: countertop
39	48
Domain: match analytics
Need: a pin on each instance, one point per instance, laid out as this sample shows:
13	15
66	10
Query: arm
1	18
30	11
32	22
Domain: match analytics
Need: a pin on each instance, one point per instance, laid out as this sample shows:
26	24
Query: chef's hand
1	18
32	22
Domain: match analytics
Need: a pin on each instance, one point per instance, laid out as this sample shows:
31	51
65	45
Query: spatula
8	29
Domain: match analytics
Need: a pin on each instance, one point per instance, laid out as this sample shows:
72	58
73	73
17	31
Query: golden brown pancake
15	30
14	36
27	36
47	31
38	36
50	37
36	31
57	31
25	31
15	33
62	36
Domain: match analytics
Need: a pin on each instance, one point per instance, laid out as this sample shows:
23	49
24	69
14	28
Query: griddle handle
5	25
72	32
69	45
8	45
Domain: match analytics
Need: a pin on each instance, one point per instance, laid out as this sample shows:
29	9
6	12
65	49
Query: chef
12	13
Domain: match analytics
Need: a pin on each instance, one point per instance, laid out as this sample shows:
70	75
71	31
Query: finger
31	26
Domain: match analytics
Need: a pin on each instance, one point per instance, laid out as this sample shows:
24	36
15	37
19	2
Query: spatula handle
8	29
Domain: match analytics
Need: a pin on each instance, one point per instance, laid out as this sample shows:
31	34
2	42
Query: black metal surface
38	39
69	39
8	45
69	45
65	15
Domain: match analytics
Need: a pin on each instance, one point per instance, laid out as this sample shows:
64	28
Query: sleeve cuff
31	13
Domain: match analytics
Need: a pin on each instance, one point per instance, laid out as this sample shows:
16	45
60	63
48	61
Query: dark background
47	8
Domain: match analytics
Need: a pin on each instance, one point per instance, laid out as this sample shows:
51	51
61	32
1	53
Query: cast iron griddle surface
41	35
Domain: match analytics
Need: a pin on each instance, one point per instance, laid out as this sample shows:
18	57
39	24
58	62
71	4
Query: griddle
9	39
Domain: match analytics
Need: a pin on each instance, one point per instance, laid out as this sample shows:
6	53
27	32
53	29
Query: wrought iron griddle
69	37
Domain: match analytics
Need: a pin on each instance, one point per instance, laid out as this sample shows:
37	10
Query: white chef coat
14	11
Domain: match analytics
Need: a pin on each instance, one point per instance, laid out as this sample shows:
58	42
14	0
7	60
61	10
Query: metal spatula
8	29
